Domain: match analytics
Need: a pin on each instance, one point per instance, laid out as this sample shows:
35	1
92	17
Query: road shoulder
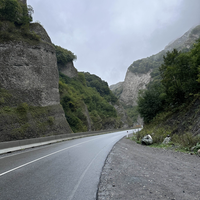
133	171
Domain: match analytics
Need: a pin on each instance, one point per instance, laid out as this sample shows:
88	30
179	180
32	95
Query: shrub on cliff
15	18
15	11
64	56
101	87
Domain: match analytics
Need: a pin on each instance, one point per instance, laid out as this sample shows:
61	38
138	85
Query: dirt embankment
133	171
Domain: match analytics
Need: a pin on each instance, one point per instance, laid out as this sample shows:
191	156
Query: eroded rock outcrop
132	84
68	69
29	75
125	121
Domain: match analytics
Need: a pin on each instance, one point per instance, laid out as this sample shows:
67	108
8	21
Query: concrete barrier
10	144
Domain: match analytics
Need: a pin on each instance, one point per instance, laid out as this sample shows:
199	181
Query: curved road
63	171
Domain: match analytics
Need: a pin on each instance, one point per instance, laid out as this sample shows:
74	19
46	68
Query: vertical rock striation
131	86
29	74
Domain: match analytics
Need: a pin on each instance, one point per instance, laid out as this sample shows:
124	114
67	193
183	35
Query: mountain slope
142	71
89	104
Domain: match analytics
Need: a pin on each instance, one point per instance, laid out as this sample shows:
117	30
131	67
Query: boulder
167	140
147	140
198	152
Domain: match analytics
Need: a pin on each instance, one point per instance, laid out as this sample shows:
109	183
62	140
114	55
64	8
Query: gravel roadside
134	171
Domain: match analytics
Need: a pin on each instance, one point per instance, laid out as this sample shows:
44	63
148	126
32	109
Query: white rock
167	140
147	140
198	152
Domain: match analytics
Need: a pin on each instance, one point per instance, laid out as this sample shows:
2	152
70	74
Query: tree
64	56
151	101
179	75
15	11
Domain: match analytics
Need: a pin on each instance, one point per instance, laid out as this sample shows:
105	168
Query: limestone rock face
68	70
39	30
116	86
185	41
131	86
29	73
136	81
117	89
123	116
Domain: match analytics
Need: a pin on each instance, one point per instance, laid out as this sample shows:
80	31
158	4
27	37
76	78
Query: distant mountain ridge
142	71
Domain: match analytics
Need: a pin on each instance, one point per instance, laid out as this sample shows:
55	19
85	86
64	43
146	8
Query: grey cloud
108	35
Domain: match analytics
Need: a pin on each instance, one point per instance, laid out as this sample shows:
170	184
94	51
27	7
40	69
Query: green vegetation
79	94
170	105
153	62
145	65
151	101
15	18
63	55
186	142
117	92
23	121
16	12
179	75
178	83
101	87
195	31
132	112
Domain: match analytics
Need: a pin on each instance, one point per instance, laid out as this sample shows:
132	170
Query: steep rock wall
29	74
135	81
125	121
68	69
131	86
117	89
116	86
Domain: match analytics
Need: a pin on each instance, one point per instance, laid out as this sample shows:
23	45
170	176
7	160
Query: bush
64	56
151	101
22	108
15	11
51	120
186	140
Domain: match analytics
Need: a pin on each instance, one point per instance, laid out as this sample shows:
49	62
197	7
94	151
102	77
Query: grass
186	143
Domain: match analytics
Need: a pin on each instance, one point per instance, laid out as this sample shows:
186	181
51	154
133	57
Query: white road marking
87	168
11	170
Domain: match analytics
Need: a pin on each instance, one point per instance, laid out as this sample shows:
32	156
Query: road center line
11	170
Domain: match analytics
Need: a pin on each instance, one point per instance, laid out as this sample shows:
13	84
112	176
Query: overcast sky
108	35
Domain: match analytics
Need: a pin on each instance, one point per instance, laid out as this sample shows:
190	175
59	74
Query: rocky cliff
141	71
29	89
132	84
68	69
117	89
30	72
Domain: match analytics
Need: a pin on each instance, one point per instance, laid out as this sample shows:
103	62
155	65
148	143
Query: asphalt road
63	171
